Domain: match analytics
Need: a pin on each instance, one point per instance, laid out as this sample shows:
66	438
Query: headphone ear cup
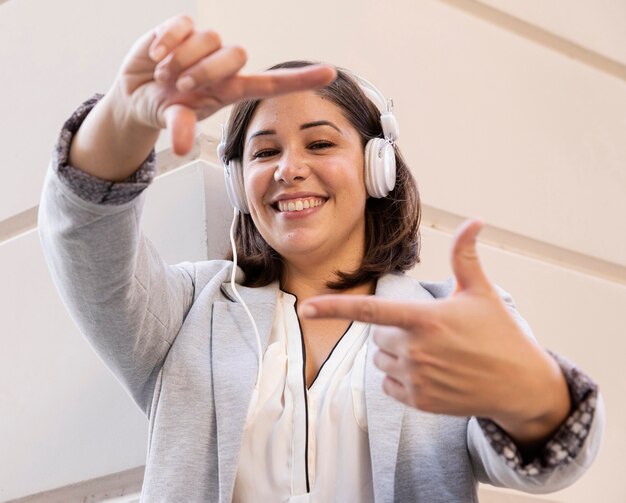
380	167
233	176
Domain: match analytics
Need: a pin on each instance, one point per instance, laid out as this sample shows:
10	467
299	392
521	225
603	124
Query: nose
291	168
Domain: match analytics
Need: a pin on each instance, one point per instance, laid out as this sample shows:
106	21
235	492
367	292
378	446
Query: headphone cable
241	301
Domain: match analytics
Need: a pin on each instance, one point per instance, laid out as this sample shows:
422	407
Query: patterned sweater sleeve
568	441
89	187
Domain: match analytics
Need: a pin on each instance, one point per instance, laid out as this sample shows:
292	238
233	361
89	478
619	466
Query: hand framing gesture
464	355
176	75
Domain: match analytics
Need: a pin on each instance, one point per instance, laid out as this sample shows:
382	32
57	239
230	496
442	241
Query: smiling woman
390	240
387	390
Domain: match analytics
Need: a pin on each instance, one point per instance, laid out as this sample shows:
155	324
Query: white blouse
307	445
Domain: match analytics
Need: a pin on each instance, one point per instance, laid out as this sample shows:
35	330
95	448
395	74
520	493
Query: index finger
287	80
366	308
169	34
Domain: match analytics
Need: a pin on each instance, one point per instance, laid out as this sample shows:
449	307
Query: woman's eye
321	144
268	152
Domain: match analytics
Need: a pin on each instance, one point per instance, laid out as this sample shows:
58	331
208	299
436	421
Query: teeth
299	204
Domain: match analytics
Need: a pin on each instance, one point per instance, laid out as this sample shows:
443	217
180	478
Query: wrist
542	407
110	143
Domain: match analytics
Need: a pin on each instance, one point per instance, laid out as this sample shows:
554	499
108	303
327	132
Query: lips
299	203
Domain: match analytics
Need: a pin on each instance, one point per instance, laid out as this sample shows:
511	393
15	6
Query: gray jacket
187	355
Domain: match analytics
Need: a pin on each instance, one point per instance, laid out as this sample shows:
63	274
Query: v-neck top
307	445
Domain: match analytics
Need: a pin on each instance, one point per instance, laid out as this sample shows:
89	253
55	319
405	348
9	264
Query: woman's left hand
464	355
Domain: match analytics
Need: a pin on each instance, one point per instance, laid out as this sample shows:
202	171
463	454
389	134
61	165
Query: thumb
181	124
466	265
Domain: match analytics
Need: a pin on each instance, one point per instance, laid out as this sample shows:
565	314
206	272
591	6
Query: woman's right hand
152	92
176	75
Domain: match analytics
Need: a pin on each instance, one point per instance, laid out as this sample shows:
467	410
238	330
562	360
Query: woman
314	408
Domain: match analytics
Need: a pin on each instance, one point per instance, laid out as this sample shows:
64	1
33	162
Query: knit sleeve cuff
89	187
566	443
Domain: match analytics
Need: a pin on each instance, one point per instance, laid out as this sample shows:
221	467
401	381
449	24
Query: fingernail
158	53
162	74
308	311
185	84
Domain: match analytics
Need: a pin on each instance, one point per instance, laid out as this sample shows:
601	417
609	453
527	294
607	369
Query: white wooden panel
493	125
174	218
219	211
599	25
54	56
64	417
575	315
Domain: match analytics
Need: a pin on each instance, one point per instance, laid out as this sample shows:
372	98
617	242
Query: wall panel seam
91	490
512	242
541	36
25	221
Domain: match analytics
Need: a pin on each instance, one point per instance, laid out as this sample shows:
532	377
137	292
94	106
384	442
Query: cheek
352	175
358	170
256	183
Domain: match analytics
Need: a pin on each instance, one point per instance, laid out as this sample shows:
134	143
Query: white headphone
380	158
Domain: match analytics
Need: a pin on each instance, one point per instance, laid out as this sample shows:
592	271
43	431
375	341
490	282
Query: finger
369	309
192	50
181	124
387	362
366	308
396	389
170	34
141	48
465	261
391	340
220	65
282	81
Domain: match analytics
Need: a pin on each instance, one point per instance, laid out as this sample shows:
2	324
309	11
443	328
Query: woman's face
303	175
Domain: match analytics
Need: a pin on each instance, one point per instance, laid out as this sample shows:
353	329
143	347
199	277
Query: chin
291	251
297	247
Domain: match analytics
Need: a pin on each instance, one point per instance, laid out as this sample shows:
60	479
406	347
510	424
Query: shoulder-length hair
392	240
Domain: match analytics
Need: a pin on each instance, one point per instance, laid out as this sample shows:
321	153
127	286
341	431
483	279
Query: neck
307	281
307	274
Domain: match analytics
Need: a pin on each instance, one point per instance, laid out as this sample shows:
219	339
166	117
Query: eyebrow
307	125
319	123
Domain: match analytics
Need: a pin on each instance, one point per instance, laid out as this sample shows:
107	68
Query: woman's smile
299	204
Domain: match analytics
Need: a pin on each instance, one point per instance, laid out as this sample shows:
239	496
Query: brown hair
392	238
